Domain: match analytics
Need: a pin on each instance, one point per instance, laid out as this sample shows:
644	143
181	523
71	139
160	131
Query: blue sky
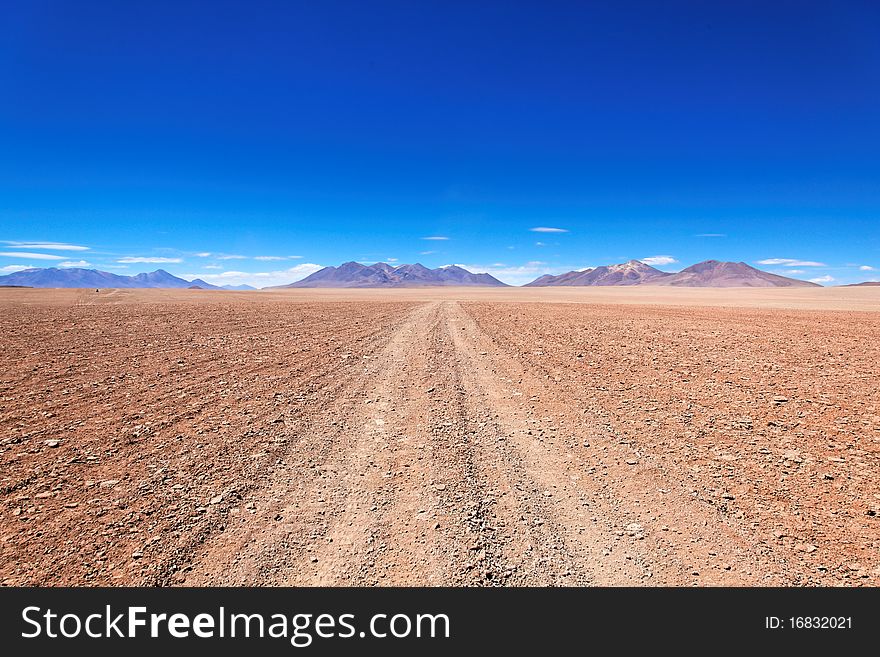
316	133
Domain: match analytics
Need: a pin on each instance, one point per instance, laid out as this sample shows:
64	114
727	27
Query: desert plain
479	437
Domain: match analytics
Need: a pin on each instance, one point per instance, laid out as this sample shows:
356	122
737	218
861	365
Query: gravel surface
241	439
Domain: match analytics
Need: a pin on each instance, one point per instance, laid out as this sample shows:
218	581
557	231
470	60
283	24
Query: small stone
632	462
314	559
43	496
53	443
109	483
439	486
137	555
217	499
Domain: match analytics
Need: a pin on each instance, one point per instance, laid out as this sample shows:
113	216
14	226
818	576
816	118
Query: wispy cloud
259	279
46	246
822	279
787	272
390	259
427	252
710	235
791	262
659	260
295	257
213	267
866	268
11	269
31	256
269	258
75	263
436	238
231	257
547	229
203	254
540	244
137	259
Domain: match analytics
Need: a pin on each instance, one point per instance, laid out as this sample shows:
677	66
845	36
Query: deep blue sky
342	131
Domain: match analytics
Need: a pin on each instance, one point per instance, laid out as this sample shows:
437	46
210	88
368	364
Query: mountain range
354	274
628	273
76	277
711	273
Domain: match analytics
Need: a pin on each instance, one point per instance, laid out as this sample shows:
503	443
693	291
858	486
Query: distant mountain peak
709	273
74	277
353	274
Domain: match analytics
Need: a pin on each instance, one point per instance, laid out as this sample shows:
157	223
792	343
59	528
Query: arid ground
597	436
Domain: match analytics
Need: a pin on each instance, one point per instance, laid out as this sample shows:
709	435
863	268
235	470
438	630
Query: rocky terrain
261	439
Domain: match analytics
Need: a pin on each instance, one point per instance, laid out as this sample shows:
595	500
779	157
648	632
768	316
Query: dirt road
421	444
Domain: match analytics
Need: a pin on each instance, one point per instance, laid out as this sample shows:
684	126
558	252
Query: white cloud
711	235
75	263
791	262
540	244
11	269
545	229
231	257
32	256
135	259
295	257
866	268
659	260
822	279
213	267
390	259
516	274
259	279
786	272
264	258
47	246
436	238
203	254
427	252
114	266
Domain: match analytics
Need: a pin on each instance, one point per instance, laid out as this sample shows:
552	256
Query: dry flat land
440	437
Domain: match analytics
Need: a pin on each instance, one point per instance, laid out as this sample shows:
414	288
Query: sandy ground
441	437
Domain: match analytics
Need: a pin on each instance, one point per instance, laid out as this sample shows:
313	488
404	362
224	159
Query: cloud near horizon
258	279
31	256
156	260
866	268
791	262
548	229
659	260
436	238
11	269
75	263
822	279
516	274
